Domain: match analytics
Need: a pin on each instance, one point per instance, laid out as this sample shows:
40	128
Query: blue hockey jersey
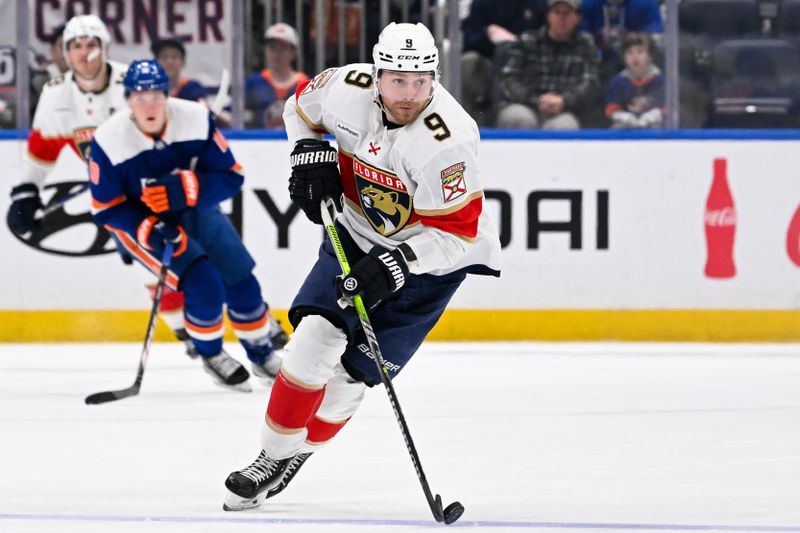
122	158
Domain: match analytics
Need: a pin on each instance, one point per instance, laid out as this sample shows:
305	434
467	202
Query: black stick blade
110	396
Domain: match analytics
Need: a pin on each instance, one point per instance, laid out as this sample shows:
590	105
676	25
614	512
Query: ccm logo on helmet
409	57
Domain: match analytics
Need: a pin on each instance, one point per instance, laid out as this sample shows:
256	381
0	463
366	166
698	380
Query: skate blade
267	381
234	502
239	387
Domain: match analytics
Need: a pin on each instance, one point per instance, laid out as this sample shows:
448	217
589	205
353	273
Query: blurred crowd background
551	64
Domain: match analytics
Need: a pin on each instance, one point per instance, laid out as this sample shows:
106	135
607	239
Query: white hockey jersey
68	116
419	184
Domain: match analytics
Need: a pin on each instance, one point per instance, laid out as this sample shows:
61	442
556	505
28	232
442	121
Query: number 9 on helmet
406	47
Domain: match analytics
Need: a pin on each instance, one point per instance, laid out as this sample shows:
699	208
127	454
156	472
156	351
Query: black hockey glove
25	202
377	274
315	175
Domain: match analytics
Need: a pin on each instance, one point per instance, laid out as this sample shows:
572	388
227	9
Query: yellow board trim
455	325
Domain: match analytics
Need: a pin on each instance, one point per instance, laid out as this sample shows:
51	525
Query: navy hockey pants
401	322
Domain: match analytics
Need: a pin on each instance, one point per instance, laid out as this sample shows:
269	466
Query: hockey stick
58	203
219	100
453	511
133	390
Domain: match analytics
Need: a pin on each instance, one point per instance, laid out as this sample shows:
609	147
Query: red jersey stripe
46	149
463	222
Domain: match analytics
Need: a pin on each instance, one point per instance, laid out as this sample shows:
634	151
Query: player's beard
403	113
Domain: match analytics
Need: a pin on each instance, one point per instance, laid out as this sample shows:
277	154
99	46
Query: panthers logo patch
383	197
454	185
83	139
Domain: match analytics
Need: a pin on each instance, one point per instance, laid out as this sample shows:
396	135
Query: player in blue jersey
158	172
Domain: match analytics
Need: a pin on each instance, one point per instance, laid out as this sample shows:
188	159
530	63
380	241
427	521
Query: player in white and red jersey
413	226
70	107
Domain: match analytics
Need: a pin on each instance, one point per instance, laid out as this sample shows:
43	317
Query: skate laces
295	463
261	468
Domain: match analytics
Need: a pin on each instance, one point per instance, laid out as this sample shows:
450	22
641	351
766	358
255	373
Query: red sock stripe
320	431
291	406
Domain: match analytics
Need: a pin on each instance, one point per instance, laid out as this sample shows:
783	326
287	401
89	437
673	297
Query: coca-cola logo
793	238
721	217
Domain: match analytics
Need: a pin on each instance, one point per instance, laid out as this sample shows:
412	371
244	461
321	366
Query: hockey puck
453	512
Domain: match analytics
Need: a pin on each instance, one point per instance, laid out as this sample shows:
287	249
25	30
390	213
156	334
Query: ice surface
529	437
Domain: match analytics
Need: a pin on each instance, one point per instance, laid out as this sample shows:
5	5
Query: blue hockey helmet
146	75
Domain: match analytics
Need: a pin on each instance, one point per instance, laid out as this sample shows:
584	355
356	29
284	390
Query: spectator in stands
490	28
609	20
267	91
551	79
603	18
171	54
635	97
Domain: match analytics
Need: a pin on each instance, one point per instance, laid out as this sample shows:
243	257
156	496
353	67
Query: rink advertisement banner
204	26
654	229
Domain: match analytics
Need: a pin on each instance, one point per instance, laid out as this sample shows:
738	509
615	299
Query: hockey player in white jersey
71	106
413	226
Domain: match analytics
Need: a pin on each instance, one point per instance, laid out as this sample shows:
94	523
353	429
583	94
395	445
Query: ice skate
249	487
291	470
267	372
277	334
184	337
227	372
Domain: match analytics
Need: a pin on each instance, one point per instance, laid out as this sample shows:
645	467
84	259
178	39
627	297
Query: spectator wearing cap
171	54
267	91
551	79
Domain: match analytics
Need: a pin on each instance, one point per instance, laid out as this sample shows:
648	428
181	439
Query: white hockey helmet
406	48
86	26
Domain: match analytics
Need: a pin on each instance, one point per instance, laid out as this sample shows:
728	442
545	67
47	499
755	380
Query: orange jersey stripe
153	264
99	206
